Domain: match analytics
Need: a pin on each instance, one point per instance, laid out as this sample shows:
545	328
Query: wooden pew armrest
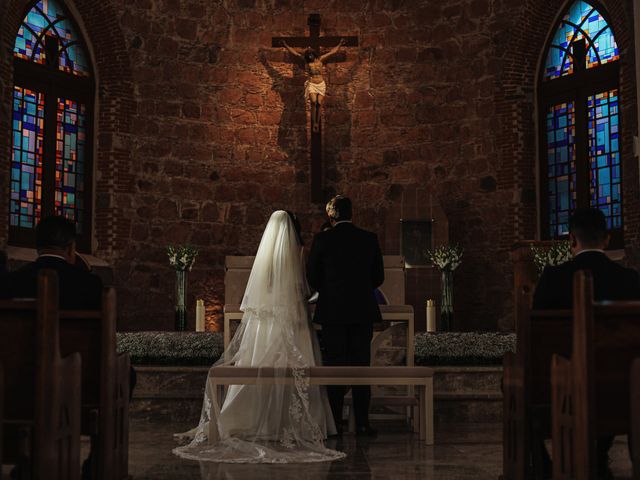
562	413
123	374
123	386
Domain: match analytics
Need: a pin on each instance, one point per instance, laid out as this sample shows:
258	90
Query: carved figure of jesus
315	88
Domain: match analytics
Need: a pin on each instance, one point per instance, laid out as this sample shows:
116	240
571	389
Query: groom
345	267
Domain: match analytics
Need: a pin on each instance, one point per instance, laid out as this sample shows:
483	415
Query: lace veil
283	421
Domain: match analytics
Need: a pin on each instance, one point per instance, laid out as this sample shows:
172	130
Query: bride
283	421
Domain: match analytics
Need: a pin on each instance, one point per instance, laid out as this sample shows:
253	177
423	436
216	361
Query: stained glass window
26	157
47	20
70	154
580	159
561	166
604	156
52	110
581	22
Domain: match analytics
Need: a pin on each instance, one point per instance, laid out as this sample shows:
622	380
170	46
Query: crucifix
314	41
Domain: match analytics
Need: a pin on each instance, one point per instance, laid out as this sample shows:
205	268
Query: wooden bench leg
428	417
410	411
422	407
214	393
416	416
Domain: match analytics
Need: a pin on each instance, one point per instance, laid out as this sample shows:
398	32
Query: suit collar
589	250
51	260
51	255
591	256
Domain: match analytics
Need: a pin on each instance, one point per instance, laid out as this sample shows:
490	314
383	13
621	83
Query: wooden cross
315	41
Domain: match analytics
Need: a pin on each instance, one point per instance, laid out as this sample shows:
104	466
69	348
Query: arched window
580	122
51	125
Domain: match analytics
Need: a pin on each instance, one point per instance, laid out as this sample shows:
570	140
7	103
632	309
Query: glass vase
181	294
446	305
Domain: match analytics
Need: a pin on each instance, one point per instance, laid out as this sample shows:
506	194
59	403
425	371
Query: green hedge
191	348
463	348
171	348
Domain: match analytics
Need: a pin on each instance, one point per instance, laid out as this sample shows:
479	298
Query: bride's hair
296	225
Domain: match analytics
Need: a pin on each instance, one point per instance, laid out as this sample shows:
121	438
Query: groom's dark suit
345	266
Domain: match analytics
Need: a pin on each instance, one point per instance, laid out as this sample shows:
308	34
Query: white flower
556	254
182	257
445	257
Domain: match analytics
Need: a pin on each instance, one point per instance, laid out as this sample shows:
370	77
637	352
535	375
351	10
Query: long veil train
279	422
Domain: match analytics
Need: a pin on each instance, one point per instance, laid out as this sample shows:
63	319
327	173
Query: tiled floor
462	452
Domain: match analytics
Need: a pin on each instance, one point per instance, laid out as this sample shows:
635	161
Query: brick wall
201	133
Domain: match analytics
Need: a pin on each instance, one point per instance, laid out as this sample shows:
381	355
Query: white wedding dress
275	423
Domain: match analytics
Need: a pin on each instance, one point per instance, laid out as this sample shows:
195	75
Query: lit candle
431	316
200	316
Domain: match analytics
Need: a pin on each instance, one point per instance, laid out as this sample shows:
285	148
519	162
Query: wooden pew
44	398
105	385
419	377
526	385
590	392
635	418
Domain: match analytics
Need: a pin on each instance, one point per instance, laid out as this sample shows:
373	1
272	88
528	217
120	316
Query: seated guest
79	289
588	238
56	245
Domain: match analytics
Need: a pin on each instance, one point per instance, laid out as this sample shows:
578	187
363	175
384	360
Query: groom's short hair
339	208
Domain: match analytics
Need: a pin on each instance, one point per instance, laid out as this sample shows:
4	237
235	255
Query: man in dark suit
345	267
588	238
78	288
56	244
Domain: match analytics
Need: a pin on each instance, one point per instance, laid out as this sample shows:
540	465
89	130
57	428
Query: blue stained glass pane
70	160
26	157
562	121
614	145
616	172
561	166
47	18
582	21
602	161
563	156
604	158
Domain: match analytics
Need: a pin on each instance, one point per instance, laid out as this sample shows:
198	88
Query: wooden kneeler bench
419	377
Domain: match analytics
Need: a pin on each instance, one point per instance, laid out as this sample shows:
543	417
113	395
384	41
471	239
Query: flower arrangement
182	257
554	255
446	257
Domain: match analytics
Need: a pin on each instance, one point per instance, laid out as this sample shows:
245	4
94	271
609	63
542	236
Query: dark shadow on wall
293	129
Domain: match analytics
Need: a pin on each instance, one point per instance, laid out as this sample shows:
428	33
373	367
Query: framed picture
415	238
